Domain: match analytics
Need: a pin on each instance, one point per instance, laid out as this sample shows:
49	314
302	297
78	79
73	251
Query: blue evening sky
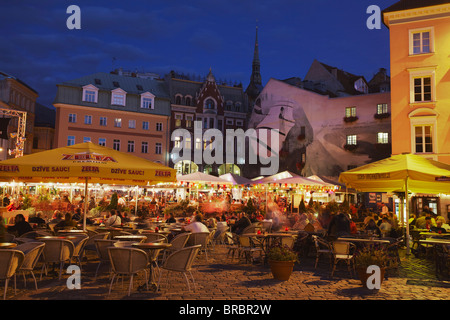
188	37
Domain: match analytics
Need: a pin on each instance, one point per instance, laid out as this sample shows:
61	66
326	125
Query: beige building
128	114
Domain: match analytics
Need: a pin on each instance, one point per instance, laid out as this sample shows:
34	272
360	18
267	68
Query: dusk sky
188	37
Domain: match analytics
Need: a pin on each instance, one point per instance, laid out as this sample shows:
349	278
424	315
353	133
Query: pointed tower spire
255	86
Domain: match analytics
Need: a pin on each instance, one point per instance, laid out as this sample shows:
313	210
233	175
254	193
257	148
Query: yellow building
420	77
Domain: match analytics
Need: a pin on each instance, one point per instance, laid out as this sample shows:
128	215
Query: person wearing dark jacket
241	224
20	226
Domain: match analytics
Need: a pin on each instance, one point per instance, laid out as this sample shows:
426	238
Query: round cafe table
153	249
131	237
7	245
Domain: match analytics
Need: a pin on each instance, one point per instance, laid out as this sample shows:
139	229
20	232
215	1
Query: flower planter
281	270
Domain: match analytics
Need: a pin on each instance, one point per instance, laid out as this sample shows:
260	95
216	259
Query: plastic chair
343	251
79	250
57	251
32	252
181	261
102	246
127	262
90	244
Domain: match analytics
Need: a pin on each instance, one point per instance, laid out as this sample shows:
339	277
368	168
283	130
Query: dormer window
210	104
361	86
118	97
147	101
90	93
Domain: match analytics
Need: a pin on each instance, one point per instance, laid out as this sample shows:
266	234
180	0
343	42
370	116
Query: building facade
328	123
44	128
420	98
211	105
17	95
127	113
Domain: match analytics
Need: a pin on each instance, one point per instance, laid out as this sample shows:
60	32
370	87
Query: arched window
178	100
188	101
210	104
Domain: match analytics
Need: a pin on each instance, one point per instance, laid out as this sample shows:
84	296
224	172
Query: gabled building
214	105
328	123
127	113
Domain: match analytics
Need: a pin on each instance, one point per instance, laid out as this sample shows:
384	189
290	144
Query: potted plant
281	261
370	257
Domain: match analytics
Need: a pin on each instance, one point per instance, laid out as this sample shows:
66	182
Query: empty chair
32	252
181	261
232	245
90	244
178	242
322	247
248	249
10	262
200	238
343	251
57	251
79	250
102	252
127	262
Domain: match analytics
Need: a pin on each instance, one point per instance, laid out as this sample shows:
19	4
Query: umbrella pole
85	203
408	249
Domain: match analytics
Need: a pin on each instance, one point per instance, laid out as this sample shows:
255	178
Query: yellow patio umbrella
86	163
400	173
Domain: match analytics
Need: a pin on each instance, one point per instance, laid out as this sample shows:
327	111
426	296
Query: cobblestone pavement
223	279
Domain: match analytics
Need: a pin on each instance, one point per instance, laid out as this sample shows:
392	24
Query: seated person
170	218
196	225
20	226
67	223
438	228
37	219
77	215
241	224
113	220
373	228
385	227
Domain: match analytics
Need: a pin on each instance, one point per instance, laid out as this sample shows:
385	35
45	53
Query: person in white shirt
385	227
113	220
197	225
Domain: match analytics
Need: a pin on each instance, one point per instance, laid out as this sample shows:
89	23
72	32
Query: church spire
255	86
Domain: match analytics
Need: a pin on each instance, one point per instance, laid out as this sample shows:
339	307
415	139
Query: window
178	100
159	126
102	142
210	104
178	118
132	124
86	139
118	99
130	146
423	139
158	148
144	147
189	121
382	137
229	122
187	101
116	144
90	94
382	108
352	140
188	143
103	121
87	119
198	143
177	142
146	103
145	125
350	112
421	41
70	140
118	122
239	123
147	100
72	117
422	84
422	89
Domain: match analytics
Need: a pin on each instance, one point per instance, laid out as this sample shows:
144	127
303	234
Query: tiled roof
413	4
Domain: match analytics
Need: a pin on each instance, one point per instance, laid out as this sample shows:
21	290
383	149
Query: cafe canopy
85	162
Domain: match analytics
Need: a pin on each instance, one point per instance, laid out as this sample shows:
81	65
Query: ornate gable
209	90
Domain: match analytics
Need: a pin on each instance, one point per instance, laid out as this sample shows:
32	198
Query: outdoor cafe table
434	234
152	249
365	241
435	241
131	237
7	245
